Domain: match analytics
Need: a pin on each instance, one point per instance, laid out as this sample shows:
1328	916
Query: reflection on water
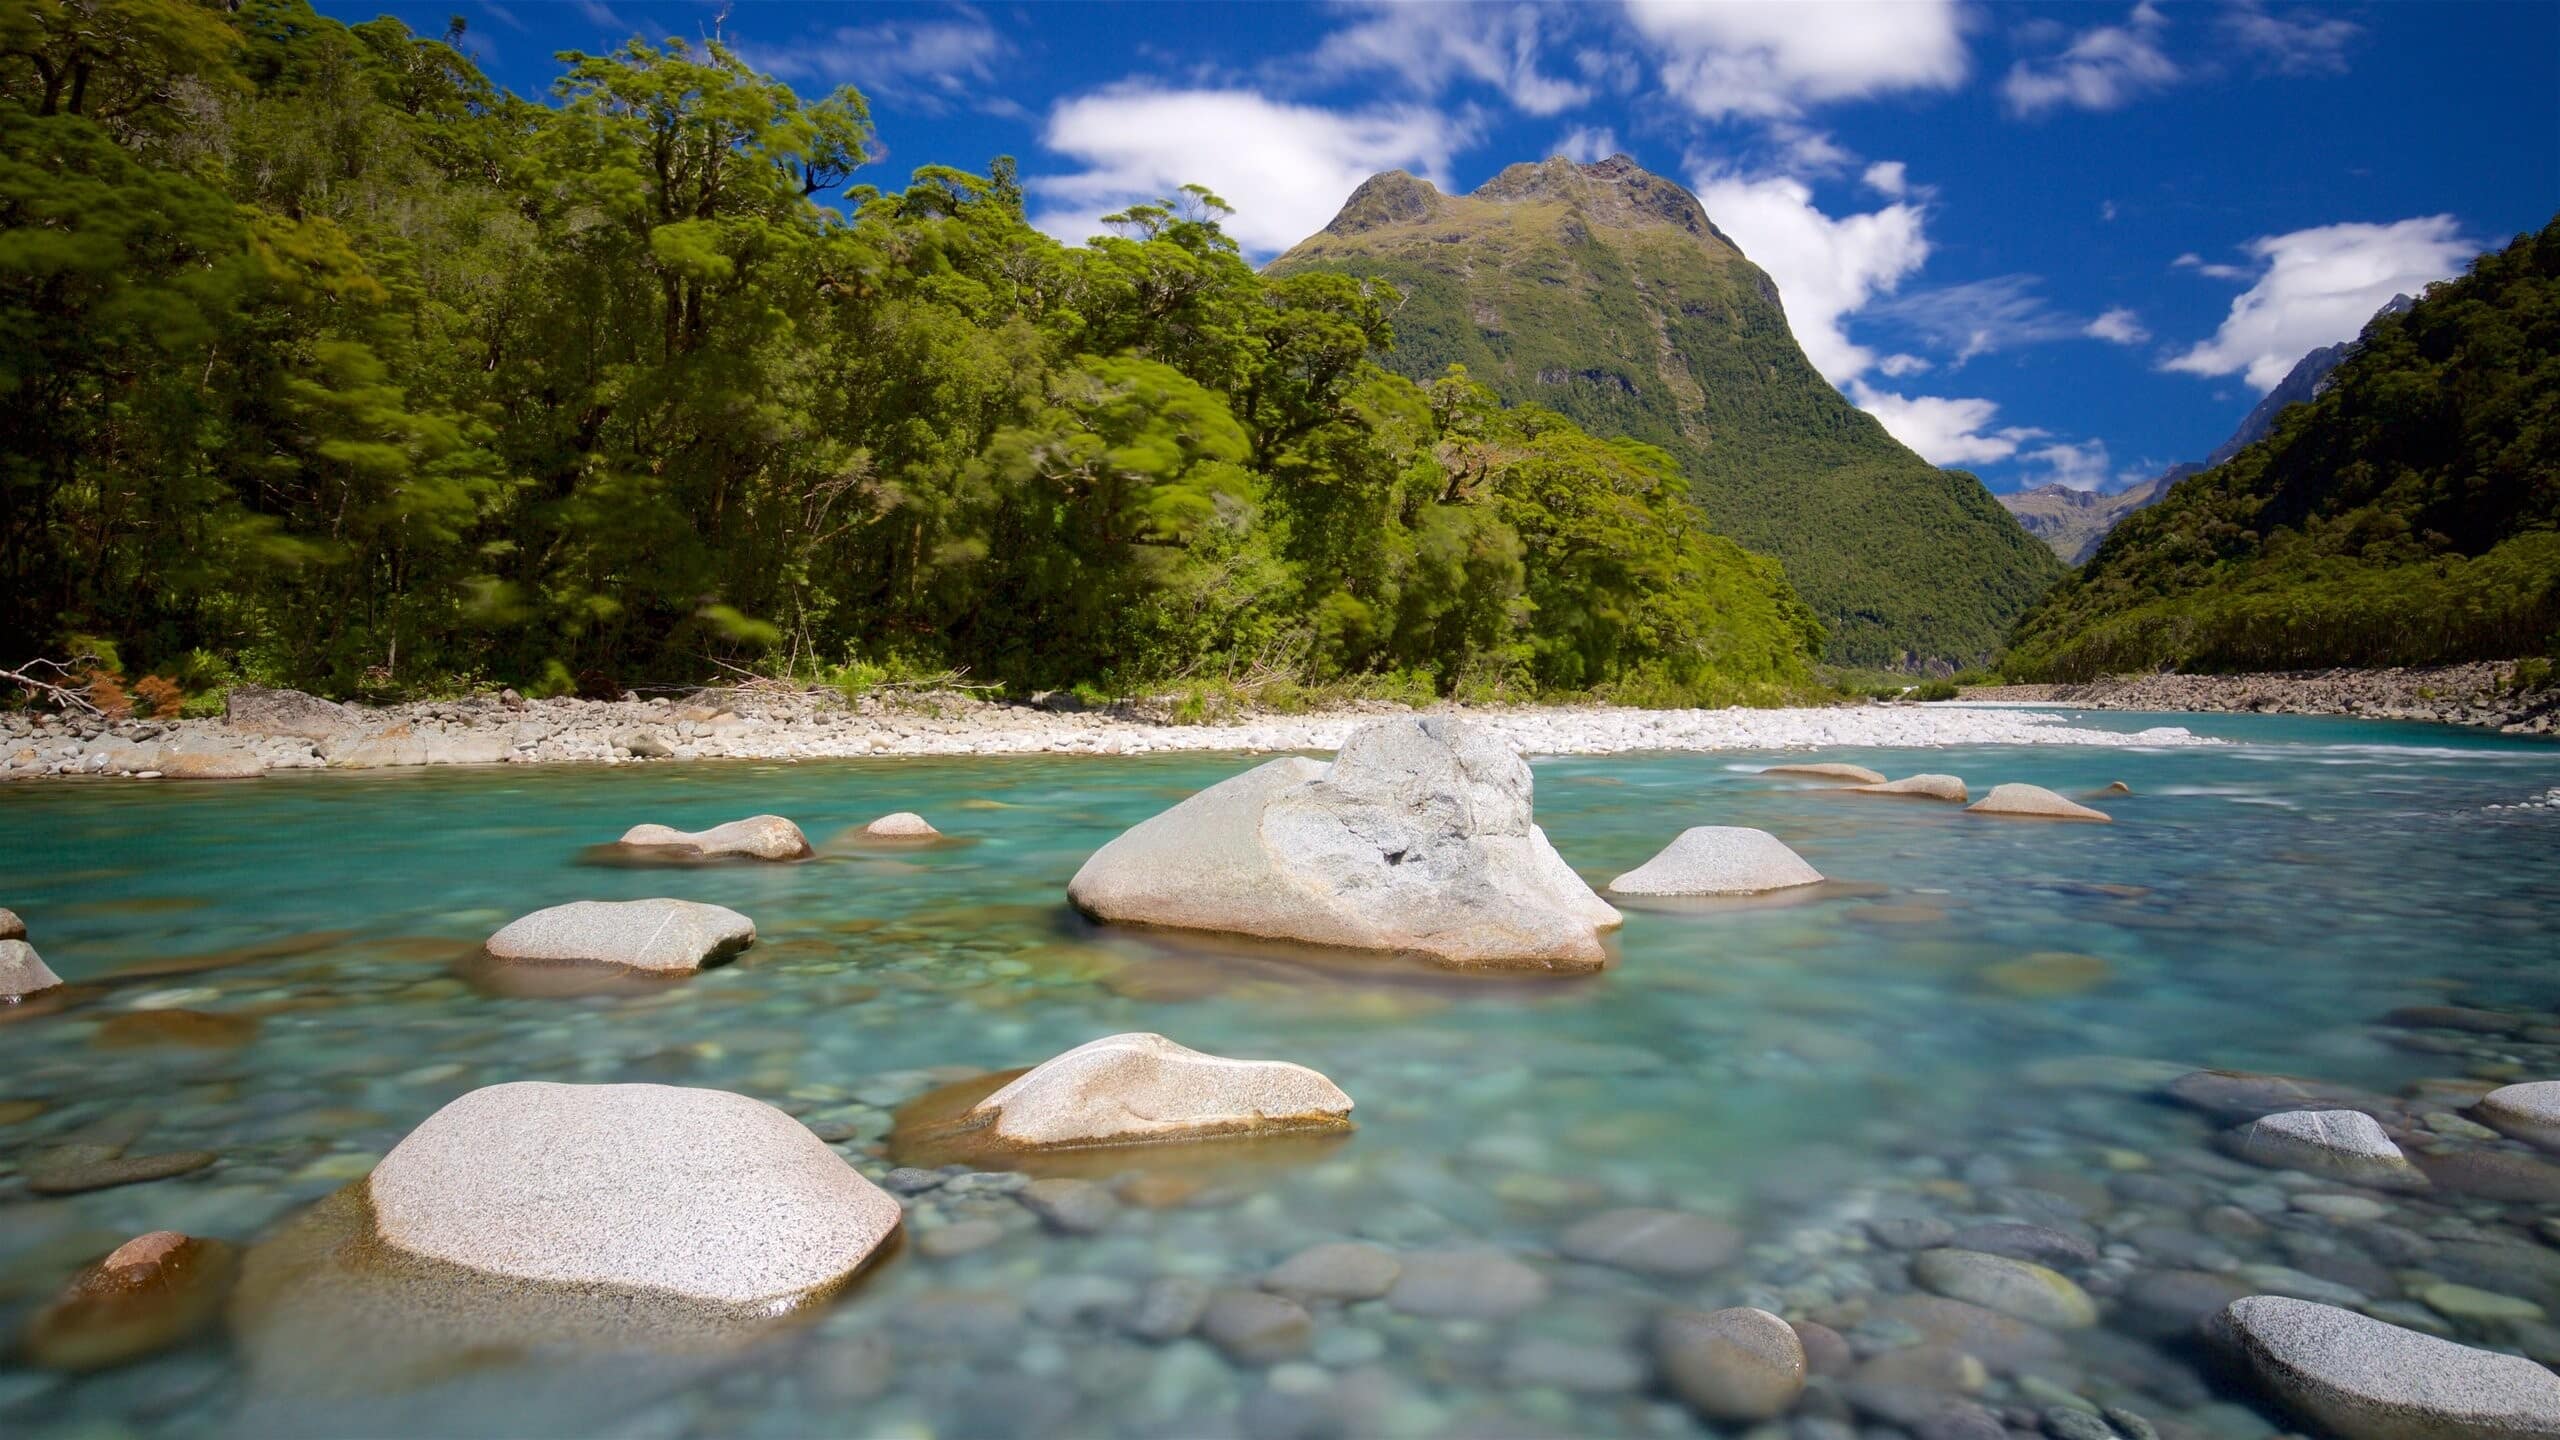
1974	1020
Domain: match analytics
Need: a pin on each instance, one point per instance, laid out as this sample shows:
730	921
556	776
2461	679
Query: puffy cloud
2119	326
1825	268
2101	69
2319	286
1889	178
1761	59
1433	44
2302	42
1285	168
1586	144
1898	366
2084	466
1946	431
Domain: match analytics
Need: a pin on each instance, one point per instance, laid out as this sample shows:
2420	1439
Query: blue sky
2043	242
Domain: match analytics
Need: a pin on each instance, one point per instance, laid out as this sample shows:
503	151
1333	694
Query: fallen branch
63	692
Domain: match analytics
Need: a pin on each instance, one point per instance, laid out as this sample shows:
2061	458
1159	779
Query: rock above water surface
23	972
1129	1089
2021	1289
2033	802
700	1194
1828	770
1652	1242
11	927
257	710
1416	839
662	935
2366	1380
1718	860
901	825
758	837
2529	1112
152	1292
1919	787
1736	1365
2341	1144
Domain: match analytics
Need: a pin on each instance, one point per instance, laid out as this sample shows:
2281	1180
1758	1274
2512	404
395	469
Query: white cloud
2084	466
1898	366
2101	69
2319	286
1285	168
2303	42
2119	326
1431	45
1766	60
1586	144
2193	261
1825	268
1946	431
1889	178
925	63
1980	317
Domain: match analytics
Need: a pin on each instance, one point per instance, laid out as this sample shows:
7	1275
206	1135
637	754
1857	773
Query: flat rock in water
1341	1270
1652	1242
1919	787
1718	860
2494	1174
1736	1365
1255	1328
2001	1341
2529	1112
1465	1285
1127	1089
2340	1144
154	1291
74	1176
2020	1289
1827	770
22	971
662	935
901	825
2033	1243
1416	839
758	837
699	1194
2238	1095
1069	1205
2033	802
2362	1379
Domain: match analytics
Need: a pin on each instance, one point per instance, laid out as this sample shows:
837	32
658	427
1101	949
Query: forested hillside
2408	515
323	362
1608	293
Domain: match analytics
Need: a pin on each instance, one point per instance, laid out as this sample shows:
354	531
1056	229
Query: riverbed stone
1736	1365
1337	1270
1827	770
1416	839
1255	1327
701	1194
1069	1205
901	825
1125	1089
2340	1144
23	972
1470	1284
1719	860
2243	1095
2037	1244
2172	1304
1542	1361
2033	802
758	837
1169	1307
2529	1112
1651	1242
1919	787
656	935
2018	1288
150	1293
2494	1174
79	1169
2363	1379
2046	975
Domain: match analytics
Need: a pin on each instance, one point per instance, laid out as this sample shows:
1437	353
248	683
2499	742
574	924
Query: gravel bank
275	730
2476	694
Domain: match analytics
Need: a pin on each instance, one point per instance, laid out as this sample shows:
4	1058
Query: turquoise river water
1918	1042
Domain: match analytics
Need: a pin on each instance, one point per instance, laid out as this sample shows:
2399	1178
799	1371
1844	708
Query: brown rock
154	1291
1738	1365
193	1029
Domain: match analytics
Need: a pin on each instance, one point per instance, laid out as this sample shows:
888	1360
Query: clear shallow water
1796	1069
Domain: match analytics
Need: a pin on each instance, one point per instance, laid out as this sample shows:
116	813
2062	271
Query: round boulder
2018	1288
758	837
2340	1144
1738	1365
11	927
2529	1112
657	935
901	825
699	1194
1416	839
152	1292
1128	1089
1827	770
1718	860
2033	802
23	972
1919	787
2362	1379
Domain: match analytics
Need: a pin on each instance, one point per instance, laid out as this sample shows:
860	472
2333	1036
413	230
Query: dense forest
323	362
2408	515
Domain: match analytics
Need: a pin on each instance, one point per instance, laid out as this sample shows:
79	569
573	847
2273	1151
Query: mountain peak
1391	197
1616	190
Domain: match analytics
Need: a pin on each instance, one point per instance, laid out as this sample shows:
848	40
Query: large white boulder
2529	1112
2033	802
666	935
23	972
1131	1089
758	837
1718	860
1417	838
2363	1379
2341	1144
695	1193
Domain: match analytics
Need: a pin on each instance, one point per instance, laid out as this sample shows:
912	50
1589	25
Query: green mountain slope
2408	515
1606	293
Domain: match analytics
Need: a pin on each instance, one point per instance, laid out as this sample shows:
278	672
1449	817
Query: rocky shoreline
269	730
2482	694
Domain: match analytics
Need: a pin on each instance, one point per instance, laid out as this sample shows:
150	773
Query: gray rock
1736	1365
1169	1308
2064	1423
758	837
643	744
1255	1327
960	1237
1718	860
1925	1232
86	1168
908	1180
698	1193
1652	1242
2173	1304
1537	1360
23	972
1465	1285
2495	1174
1417	838
2242	1095
2016	1288
11	927
2340	1144
257	710
2365	1380
208	762
1342	1270
2033	802
1071	1206
661	935
2000	1341
1123	1089
2529	1112
2036	1243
